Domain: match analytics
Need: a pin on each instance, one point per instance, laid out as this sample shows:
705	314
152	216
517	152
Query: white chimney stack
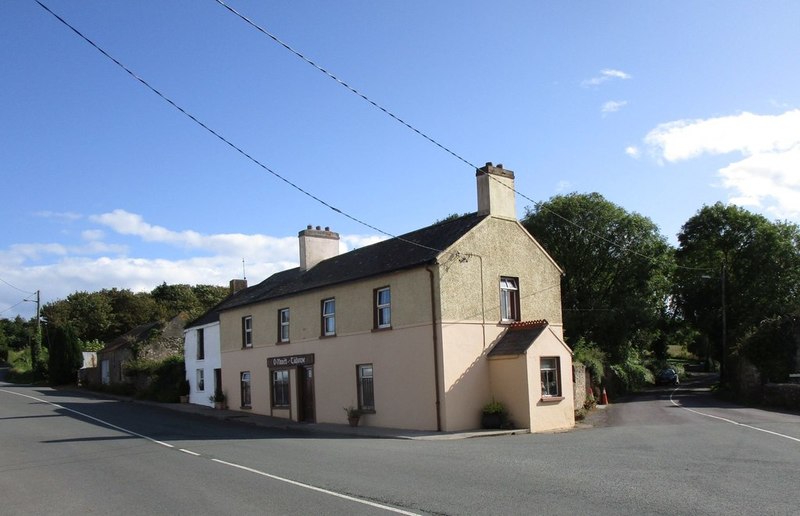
317	245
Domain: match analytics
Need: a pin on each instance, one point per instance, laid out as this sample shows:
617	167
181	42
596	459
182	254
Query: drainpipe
437	379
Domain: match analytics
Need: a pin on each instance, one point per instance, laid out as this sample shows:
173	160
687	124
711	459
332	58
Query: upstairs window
247	332
328	317
201	344
383	308
509	299
283	325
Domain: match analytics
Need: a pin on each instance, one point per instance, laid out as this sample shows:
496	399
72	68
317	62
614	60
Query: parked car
667	376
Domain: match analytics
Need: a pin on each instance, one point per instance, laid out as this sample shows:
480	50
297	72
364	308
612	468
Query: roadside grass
20	370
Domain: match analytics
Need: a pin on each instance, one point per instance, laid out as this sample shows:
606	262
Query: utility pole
722	372
36	342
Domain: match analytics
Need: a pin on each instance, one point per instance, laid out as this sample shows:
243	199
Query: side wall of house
470	275
401	357
210	361
556	413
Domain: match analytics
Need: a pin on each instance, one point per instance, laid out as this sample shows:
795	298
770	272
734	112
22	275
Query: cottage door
306	386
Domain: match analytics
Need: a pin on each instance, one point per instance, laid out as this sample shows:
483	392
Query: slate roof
387	256
518	338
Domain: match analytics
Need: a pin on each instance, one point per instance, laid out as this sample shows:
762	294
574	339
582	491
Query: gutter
436	376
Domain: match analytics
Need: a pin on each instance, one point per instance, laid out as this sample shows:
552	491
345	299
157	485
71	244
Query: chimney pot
309	226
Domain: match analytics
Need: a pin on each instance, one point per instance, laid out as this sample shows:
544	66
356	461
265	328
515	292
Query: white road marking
106	423
231	464
318	489
731	421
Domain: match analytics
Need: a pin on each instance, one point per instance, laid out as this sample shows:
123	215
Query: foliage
165	378
17	332
494	407
91	345
773	347
184	388
65	357
590	355
617	268
21	370
352	412
631	372
761	264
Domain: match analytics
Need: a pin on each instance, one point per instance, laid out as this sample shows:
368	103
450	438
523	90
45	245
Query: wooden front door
306	386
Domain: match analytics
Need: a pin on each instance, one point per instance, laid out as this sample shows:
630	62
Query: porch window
551	383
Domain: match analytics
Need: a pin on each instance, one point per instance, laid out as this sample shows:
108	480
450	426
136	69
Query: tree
65	355
616	267
89	314
754	261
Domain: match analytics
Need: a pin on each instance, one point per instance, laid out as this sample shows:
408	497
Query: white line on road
318	489
731	421
106	423
245	468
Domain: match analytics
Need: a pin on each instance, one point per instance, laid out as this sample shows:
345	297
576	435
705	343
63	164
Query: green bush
632	372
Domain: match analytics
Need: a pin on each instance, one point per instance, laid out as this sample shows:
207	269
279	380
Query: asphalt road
59	454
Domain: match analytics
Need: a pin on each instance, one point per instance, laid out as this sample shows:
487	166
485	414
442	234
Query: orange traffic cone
604	397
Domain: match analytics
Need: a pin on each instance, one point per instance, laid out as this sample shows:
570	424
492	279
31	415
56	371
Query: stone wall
581	383
783	395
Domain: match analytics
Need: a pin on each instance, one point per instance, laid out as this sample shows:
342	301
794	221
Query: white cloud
632	151
59	269
606	75
765	173
612	106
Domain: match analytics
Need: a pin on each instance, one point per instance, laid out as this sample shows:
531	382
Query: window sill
366	411
332	335
246	407
385	328
247	346
551	399
281	407
283	342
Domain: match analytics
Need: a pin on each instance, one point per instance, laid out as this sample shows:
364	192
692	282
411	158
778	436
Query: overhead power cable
285	45
13	306
221	137
15	288
388	112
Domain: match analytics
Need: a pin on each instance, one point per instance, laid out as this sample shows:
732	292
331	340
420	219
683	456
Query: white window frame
329	317
274	374
283	324
383	310
247	331
549	372
509	299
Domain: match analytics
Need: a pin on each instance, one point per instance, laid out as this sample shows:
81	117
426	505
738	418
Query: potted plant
493	415
183	390
219	399
353	415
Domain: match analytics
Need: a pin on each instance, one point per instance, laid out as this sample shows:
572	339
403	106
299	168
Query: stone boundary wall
783	395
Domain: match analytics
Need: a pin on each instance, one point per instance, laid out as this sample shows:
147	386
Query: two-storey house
418	331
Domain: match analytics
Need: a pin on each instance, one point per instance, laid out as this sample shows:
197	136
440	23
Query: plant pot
353	420
492	420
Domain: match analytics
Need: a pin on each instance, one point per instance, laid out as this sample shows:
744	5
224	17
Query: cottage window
551	384
383	308
366	390
280	388
245	387
201	344
509	299
247	332
283	325
201	382
328	317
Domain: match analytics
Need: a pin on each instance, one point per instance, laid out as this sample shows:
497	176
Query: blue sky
659	106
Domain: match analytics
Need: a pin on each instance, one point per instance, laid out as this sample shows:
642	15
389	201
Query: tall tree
755	263
65	356
616	267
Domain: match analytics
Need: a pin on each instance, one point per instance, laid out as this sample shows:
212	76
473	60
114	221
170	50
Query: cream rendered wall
551	415
402	357
469	276
507	374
